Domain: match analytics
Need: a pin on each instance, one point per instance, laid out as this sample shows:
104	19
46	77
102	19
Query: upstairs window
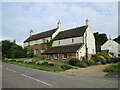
72	40
43	40
59	42
28	43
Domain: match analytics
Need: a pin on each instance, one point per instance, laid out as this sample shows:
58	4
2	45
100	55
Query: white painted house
112	47
72	43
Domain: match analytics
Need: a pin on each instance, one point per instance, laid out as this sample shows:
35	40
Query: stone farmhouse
77	42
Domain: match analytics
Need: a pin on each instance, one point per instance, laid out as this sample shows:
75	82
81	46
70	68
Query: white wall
56	33
112	46
68	41
90	41
39	41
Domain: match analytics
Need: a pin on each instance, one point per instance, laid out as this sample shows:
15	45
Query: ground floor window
56	56
35	51
42	51
64	56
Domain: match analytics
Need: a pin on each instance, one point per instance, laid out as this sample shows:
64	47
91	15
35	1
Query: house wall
90	39
112	46
39	41
61	59
38	47
68	41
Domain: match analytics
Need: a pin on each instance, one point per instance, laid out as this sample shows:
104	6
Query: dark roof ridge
67	45
45	31
73	28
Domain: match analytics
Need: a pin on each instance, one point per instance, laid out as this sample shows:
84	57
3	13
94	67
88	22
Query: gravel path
94	71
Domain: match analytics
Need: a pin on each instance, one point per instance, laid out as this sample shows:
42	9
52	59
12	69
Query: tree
11	50
100	39
117	39
49	43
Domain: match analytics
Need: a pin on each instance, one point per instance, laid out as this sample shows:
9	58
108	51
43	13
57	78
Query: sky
19	17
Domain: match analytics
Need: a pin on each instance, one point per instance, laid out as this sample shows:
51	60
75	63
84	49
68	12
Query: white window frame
43	40
58	42
35	51
64	56
56	57
42	50
72	40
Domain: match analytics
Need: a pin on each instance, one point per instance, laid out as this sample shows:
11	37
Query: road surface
14	76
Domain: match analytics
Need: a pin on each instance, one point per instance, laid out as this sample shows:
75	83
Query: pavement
14	76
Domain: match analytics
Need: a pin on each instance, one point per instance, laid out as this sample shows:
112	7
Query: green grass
113	68
56	68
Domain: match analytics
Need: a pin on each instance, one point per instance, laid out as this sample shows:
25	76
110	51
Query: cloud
19	18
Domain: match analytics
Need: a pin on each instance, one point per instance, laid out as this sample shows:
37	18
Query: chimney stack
59	24
87	22
31	32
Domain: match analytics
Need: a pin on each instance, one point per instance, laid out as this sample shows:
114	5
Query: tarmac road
14	76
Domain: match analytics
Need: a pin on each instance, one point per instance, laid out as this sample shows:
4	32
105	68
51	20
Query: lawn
57	68
113	68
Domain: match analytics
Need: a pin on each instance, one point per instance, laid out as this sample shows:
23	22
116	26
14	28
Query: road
14	76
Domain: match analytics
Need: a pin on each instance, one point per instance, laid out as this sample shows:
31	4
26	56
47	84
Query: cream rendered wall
39	41
112	46
68	41
90	41
81	52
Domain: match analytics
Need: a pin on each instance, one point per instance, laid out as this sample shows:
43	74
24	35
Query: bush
104	62
92	62
106	56
73	61
65	67
115	59
100	58
95	57
82	64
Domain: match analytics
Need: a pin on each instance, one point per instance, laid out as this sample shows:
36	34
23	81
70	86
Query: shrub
104	62
92	62
65	67
100	58
73	61
95	57
82	64
115	59
106	56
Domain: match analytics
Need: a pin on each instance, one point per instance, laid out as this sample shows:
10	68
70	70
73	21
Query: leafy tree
100	39
117	39
11	50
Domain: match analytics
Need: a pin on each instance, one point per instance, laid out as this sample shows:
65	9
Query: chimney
31	32
14	41
87	22
59	24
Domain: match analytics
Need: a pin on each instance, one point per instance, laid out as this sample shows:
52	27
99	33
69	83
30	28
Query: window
28	52
42	51
56	56
48	56
72	40
92	50
43	40
64	56
28	43
59	42
35	51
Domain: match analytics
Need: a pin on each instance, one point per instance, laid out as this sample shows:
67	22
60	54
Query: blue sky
18	18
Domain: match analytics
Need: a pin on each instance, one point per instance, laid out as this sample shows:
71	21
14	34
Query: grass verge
56	68
113	68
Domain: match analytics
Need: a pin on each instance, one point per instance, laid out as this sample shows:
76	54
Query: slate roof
63	49
75	32
41	35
